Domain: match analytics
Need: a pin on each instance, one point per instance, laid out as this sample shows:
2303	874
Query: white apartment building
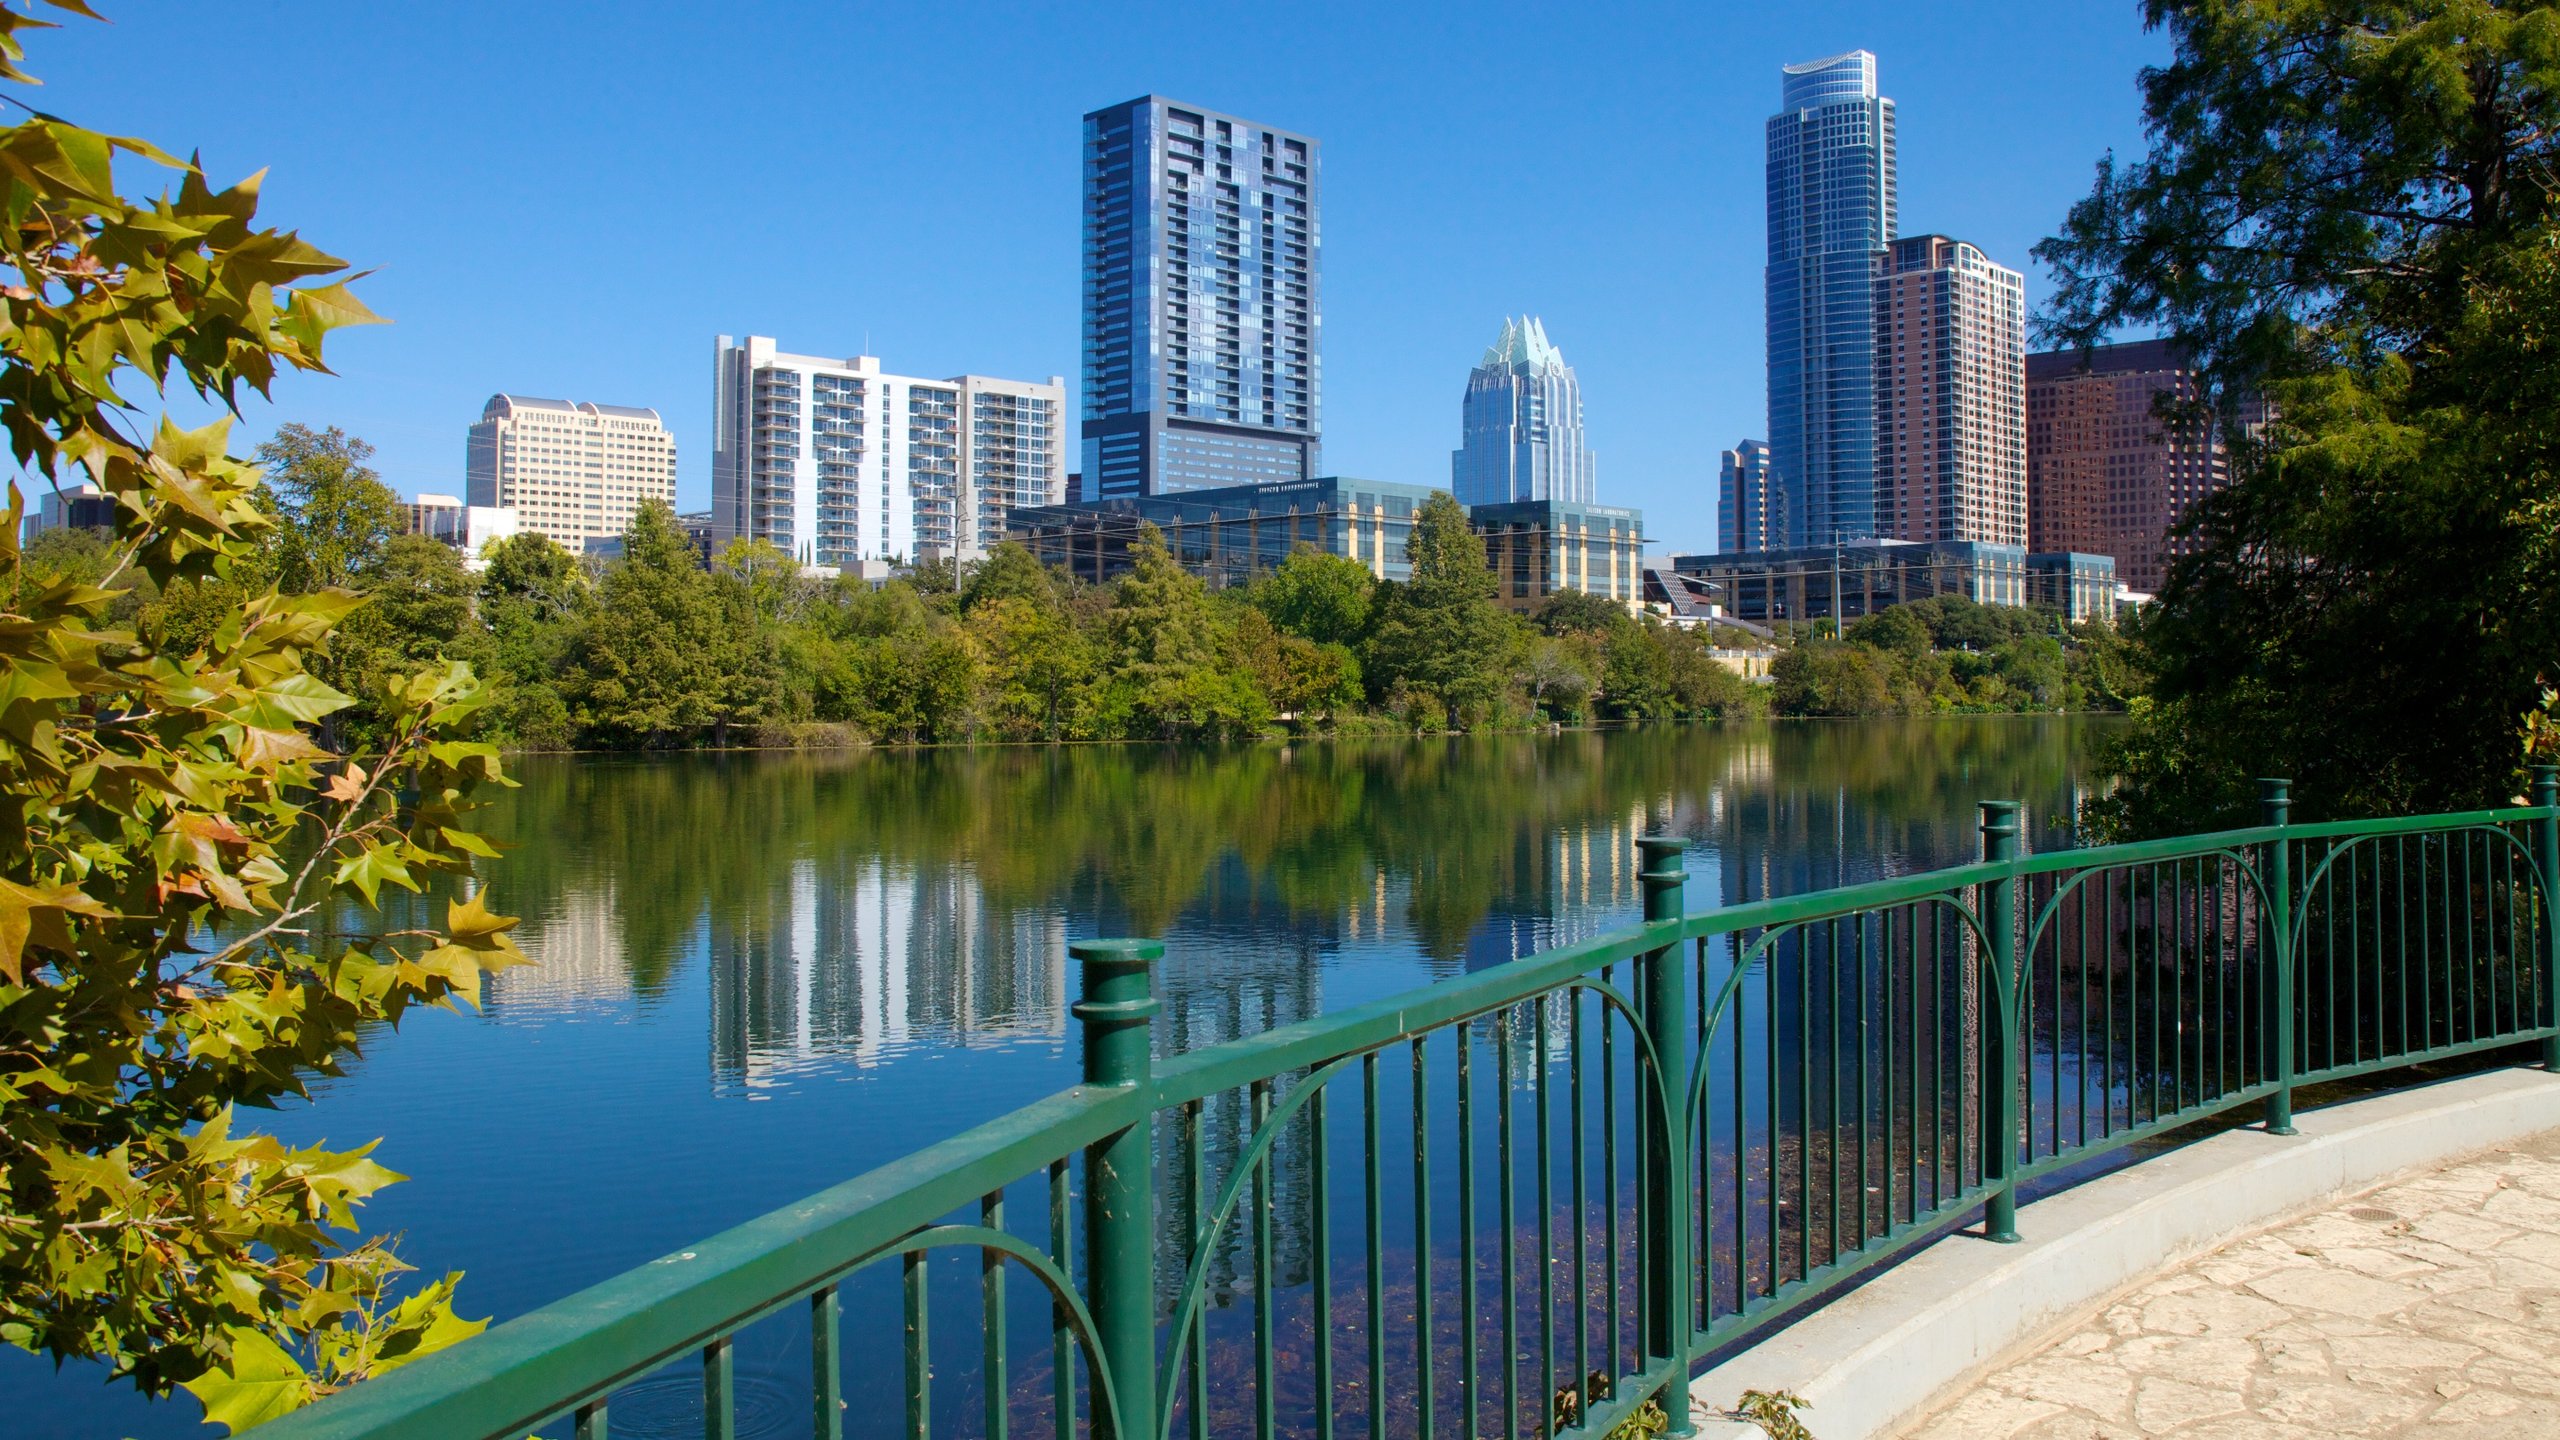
837	462
573	472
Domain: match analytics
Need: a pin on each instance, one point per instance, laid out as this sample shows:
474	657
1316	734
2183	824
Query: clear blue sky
573	200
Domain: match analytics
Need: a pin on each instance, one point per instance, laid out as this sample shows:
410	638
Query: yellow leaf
259	1383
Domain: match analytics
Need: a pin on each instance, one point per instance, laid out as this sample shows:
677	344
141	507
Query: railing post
1667	1021
2546	850
1999	915
2275	807
1119	1203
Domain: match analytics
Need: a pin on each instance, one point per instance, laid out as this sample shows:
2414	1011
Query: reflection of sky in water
759	978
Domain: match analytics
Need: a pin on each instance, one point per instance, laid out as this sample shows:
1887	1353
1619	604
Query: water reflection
853	908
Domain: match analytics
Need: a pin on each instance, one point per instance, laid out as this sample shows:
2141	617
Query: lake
762	974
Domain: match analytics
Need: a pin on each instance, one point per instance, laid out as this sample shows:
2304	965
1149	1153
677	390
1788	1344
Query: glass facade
1538	547
1522	425
1832	197
1751	510
1227	536
1866	576
1202	328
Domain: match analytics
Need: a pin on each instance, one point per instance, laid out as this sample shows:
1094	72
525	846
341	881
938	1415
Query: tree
1319	596
1441	634
338	516
189	886
417	610
1035	667
1558	683
1569	612
533	599
1170	659
2344	212
647	665
1008	573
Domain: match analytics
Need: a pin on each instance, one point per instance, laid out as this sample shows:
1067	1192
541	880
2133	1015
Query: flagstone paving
2429	1306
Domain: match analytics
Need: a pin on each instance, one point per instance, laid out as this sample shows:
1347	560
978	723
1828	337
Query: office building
1522	424
2082	587
572	471
1751	507
1231	534
470	529
1202	321
2107	471
1832	198
1538	547
837	462
81	506
1950	385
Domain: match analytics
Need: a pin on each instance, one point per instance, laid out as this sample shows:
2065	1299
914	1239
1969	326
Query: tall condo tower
838	462
2107	473
1522	436
1202	323
573	471
1751	512
1831	215
1951	402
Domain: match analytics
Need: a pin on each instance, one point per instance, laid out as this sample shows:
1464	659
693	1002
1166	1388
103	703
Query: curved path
2429	1306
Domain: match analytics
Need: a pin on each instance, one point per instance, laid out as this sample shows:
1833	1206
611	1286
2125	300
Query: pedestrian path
2427	1307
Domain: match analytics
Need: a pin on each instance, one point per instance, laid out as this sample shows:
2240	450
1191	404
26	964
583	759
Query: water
762	975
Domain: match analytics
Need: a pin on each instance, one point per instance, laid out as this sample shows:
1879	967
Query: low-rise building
467	528
1230	534
1538	547
1856	579
2082	587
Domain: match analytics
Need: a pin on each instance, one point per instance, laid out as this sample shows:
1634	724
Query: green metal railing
1625	1154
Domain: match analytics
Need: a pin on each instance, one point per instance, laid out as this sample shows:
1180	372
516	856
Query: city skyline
1637	254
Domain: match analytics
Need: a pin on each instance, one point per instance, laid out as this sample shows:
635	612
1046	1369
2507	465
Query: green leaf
303	697
369	871
257	1384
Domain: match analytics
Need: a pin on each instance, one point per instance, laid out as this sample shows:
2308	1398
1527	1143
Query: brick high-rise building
1950	381
572	471
2107	474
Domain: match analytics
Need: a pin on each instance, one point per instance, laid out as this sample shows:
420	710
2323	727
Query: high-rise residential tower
1751	511
1950	386
2107	472
575	472
838	462
1202	322
1832	204
1522	435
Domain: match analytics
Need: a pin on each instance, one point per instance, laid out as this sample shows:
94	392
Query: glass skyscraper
1831	217
1522	435
1202	329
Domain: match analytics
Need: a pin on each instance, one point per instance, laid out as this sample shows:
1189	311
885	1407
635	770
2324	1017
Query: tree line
654	649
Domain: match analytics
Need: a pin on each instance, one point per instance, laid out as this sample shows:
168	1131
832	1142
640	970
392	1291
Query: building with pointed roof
1522	436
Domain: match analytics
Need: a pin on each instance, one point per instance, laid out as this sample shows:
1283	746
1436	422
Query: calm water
759	976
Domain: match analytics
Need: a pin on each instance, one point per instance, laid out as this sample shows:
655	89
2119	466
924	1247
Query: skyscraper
1202	327
1950	383
1522	435
2107	474
836	461
1831	214
575	472
1751	511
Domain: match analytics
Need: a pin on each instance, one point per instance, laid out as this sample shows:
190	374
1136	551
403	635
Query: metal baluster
1119	1210
1422	1243
826	1366
591	1421
1062	1339
1667	1272
2000	826
1504	1158
1608	1187
2546	852
919	1317
991	1302
1320	1223
1372	1169
720	1388
1547	1210
1265	1367
1470	1371
1195	1380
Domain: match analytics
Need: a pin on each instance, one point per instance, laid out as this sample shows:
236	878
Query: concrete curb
1880	1357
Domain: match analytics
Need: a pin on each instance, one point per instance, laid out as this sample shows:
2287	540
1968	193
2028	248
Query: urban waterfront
759	975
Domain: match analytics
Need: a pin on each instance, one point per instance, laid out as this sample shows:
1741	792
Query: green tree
1569	612
417	611
1036	666
1440	635
1169	658
338	517
189	886
648	662
533	599
1319	596
2344	211
1008	573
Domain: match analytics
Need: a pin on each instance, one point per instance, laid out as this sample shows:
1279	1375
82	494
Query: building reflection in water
855	960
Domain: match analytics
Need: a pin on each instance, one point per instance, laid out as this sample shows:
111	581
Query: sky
575	200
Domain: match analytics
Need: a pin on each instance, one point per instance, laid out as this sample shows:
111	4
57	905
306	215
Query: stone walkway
2427	1307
